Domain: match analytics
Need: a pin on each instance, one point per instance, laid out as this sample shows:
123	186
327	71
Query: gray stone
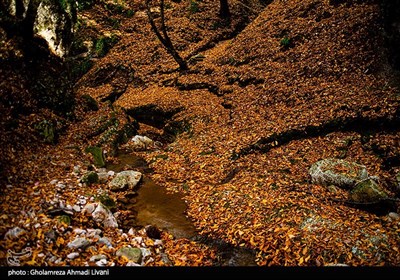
105	241
72	255
14	233
103	216
79	243
132	254
367	191
124	180
96	258
337	172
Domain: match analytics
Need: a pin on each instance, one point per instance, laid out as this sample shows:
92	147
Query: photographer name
20	272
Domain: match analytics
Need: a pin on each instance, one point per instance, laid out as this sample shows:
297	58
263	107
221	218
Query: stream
153	205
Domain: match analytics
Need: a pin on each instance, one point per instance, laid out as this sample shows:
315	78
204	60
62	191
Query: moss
106	200
64	219
97	154
105	43
89	103
47	130
90	178
367	191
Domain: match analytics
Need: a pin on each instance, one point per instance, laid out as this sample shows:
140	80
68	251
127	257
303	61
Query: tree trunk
224	9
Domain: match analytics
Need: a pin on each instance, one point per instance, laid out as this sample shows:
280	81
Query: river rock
124	180
140	142
132	254
102	215
105	241
79	243
367	191
72	255
96	258
14	233
337	172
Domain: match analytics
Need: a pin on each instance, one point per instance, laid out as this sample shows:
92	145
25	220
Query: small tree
224	9
162	35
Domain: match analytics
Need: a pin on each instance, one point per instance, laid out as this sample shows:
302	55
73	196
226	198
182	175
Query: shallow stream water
155	206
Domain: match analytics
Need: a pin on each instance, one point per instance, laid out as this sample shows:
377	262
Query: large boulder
53	21
337	172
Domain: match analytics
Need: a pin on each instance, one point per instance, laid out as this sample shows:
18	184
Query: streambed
153	205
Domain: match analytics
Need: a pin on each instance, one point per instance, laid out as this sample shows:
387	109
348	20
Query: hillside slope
280	86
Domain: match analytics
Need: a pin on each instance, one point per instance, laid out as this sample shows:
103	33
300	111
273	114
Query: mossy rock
90	178
64	219
97	154
47	130
89	103
367	191
132	254
107	201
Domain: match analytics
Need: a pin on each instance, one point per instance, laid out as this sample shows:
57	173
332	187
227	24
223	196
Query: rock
82	201
132	264
153	232
101	262
124	180
105	241
50	236
394	216
132	254
79	231
53	182
93	232
76	208
77	169
53	21
72	255
165	259
64	219
89	208
103	177
367	191
79	243
131	232
55	24
97	154
14	233
337	172
90	178
145	253
141	142
96	258
103	216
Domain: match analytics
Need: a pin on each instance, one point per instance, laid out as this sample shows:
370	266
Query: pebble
96	258
101	262
82	201
79	242
105	241
79	231
394	216
72	255
93	232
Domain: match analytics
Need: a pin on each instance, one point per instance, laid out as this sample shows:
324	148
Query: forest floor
267	94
